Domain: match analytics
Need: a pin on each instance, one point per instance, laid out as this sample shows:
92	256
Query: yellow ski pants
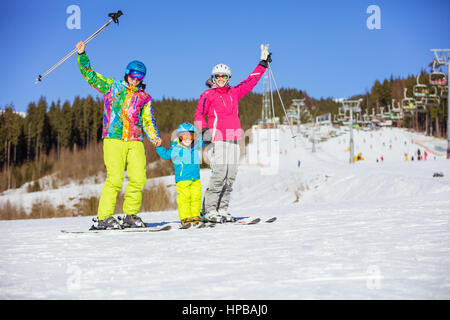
189	198
117	156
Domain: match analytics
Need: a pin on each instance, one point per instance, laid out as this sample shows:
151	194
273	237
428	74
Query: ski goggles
221	76
186	135
136	75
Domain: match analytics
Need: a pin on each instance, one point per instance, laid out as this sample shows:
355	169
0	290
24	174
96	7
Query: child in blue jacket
184	153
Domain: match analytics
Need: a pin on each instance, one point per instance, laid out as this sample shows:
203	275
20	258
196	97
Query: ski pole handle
114	18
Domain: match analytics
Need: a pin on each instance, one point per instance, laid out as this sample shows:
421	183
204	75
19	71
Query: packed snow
374	229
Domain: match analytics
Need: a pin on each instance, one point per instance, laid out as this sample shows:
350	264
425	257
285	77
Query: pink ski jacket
221	106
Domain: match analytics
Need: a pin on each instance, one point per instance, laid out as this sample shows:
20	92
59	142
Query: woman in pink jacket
217	115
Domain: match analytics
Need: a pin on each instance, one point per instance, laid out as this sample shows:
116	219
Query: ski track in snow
363	231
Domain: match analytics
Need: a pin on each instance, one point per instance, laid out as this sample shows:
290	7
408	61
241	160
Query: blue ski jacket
186	160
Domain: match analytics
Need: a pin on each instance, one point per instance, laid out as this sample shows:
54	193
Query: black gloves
265	63
209	83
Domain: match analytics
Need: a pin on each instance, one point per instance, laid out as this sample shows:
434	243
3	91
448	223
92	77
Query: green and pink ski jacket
127	110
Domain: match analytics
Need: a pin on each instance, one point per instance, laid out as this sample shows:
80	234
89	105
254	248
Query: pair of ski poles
114	18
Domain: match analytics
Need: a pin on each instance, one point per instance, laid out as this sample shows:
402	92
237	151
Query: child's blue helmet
136	66
185	127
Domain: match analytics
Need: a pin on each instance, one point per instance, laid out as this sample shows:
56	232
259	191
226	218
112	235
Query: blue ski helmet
137	66
185	127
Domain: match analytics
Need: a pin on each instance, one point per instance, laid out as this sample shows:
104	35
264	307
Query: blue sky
323	47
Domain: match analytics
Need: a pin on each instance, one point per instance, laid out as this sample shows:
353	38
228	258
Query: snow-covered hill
370	230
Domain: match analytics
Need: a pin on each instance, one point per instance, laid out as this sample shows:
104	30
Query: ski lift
365	118
420	90
408	104
383	115
396	108
335	118
433	100
373	117
437	78
396	115
420	105
341	118
396	111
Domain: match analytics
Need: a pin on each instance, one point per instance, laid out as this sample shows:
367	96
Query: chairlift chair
386	115
396	108
421	105
336	118
408	104
438	78
420	90
367	117
433	100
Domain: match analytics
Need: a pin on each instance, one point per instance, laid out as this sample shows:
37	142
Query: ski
240	220
148	229
184	226
253	221
165	226
163	223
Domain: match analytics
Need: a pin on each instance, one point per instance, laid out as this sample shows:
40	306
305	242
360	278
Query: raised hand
266	56
80	47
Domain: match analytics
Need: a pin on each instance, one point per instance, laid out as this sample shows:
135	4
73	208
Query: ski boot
186	223
109	223
132	221
228	217
196	222
215	217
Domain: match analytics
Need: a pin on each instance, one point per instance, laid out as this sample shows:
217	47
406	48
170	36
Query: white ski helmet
221	69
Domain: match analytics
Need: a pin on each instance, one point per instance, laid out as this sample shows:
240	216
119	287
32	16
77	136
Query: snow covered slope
370	230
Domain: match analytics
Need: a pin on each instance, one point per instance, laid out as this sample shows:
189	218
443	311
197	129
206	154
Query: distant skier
418	154
184	153
425	154
127	113
221	106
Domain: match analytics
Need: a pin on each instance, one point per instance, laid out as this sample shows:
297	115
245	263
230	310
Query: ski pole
282	104
114	18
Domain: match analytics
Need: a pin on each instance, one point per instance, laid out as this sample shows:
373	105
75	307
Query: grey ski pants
224	159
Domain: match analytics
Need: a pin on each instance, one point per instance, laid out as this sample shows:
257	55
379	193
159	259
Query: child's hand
80	47
157	142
